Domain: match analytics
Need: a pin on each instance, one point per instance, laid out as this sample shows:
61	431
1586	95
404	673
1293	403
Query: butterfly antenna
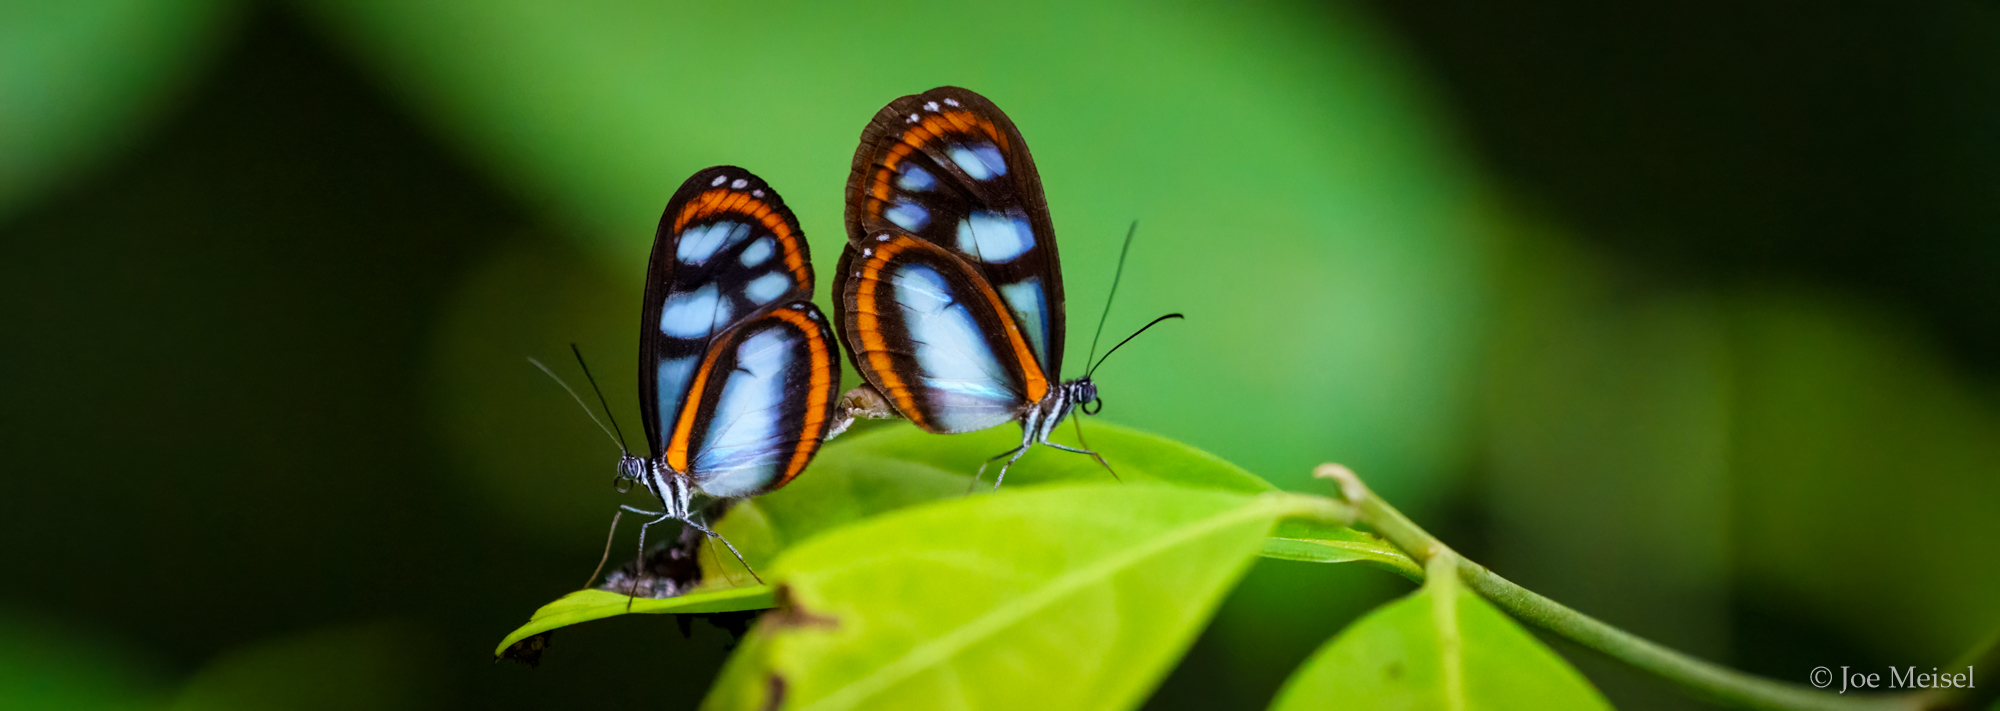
1115	276
600	397
579	401
1128	339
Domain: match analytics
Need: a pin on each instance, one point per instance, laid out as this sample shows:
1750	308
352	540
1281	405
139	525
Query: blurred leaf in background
1673	458
380	666
46	666
1607	432
1869	491
80	79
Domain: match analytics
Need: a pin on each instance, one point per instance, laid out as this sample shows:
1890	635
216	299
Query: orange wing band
816	398
718	201
913	138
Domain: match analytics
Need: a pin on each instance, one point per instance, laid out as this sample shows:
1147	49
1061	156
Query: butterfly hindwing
933	336
737	372
948	167
769	389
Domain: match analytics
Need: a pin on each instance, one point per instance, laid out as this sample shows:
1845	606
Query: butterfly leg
1093	455
1027	438
1002	476
981	474
725	542
632	592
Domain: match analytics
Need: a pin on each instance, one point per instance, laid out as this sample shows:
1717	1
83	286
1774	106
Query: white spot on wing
719	180
763	289
953	102
699	243
908	215
981	161
994	237
931	105
915	178
758	252
695	314
1031	312
672	383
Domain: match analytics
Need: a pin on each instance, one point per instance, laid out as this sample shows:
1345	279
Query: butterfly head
1082	394
630	469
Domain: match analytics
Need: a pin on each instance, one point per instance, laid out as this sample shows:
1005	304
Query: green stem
1719	683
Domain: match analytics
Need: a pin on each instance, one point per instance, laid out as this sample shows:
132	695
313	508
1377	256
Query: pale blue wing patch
1031	312
763	289
695	314
995	237
699	243
915	179
759	251
745	445
908	215
672	384
969	388
980	161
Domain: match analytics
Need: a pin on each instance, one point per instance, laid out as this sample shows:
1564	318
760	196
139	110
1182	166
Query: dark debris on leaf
788	613
529	650
667	571
774	693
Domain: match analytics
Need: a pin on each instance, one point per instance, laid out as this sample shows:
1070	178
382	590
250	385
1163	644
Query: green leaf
1439	648
898	465
1051	598
45	665
1322	542
587	605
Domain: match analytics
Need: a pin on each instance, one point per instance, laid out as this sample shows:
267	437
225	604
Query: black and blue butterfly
949	294
738	375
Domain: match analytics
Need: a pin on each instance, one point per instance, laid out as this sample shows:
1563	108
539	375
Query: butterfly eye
630	469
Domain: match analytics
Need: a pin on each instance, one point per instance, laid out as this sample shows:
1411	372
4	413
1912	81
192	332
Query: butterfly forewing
948	167
736	367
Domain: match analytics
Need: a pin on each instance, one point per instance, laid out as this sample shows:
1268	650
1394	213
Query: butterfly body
949	292
737	373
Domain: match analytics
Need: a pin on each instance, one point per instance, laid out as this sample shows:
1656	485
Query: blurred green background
1686	314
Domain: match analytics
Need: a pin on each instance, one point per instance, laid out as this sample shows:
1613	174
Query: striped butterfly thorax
738	375
949	294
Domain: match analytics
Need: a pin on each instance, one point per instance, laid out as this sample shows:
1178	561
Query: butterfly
949	294
737	369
